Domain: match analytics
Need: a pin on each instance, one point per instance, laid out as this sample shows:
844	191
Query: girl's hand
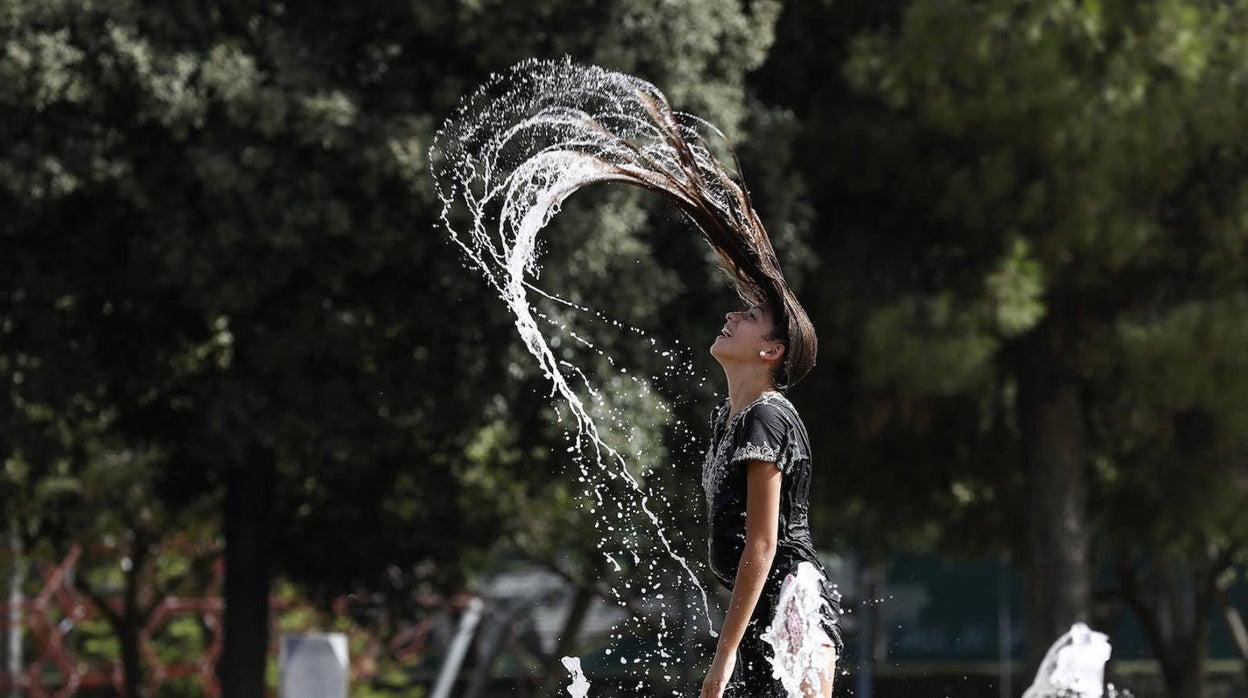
718	675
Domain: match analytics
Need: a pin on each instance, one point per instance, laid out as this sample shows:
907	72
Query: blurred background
250	389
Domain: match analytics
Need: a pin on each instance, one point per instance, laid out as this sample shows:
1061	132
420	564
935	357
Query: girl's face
745	335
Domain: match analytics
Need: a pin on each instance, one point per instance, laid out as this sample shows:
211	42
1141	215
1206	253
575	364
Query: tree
1172	477
1006	183
176	260
199	250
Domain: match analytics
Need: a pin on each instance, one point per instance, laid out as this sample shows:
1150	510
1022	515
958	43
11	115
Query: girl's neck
744	389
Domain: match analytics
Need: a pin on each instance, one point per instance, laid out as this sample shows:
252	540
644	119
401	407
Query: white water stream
503	165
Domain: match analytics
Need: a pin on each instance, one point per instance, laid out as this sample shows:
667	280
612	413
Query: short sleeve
763	435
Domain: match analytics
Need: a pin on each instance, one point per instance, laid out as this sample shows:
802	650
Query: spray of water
579	687
799	660
504	164
1074	667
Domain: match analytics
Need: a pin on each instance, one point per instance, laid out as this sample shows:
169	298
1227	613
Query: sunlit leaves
42	68
1015	291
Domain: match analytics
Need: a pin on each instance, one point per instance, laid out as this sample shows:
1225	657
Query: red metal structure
56	670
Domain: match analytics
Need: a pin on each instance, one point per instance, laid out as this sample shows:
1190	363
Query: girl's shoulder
769	429
772	405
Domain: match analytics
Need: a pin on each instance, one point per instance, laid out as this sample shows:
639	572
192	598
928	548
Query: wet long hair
532	136
719	205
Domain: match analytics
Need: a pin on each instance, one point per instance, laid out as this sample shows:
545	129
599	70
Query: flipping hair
720	206
531	137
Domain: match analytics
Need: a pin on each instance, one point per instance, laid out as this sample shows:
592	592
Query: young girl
757	481
518	148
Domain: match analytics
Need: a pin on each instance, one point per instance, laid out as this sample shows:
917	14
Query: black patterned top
768	429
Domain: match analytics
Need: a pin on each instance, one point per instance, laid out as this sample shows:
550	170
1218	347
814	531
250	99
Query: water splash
579	688
799	658
504	164
1074	667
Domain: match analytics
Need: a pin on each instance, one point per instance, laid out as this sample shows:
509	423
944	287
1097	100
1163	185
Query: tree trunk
132	618
131	660
248	536
1185	676
1183	660
13	639
1173	602
1055	557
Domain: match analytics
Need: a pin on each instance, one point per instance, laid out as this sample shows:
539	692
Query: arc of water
529	139
519	257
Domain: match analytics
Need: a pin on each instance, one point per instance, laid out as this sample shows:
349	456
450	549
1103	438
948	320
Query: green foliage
993	165
927	347
1015	291
224	255
1191	357
221	252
